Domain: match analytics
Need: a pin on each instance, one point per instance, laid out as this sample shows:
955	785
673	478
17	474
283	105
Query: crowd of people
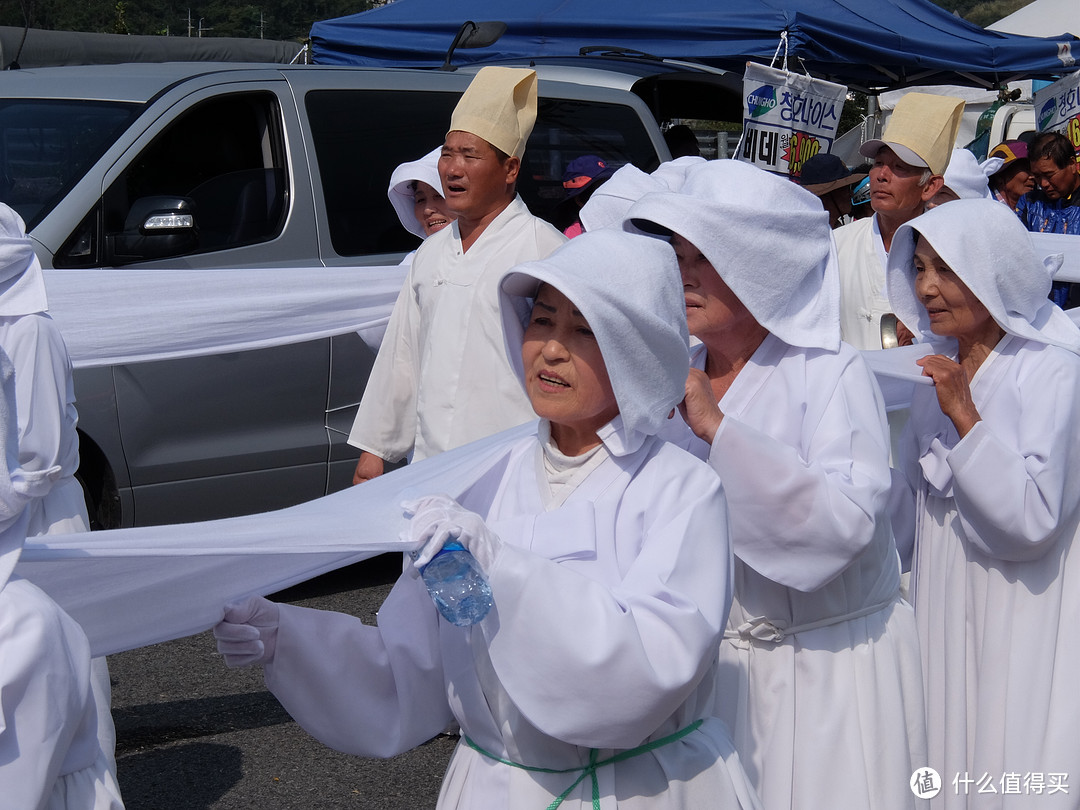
721	575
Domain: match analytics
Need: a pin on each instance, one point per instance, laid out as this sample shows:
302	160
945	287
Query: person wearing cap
989	459
819	642
51	755
910	160
1054	205
1013	180
582	177
830	180
441	377
590	681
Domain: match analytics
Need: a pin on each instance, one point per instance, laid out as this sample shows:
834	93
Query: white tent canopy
1042	18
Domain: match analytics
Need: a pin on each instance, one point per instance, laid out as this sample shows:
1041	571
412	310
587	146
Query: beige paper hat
921	131
499	106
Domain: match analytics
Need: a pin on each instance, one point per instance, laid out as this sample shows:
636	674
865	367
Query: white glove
248	633
439	519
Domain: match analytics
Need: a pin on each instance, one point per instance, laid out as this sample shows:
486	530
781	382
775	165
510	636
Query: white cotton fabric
996	576
426	170
607	615
783	268
50	754
989	250
628	289
174	313
803	454
861	260
22	287
441	378
968	178
608	205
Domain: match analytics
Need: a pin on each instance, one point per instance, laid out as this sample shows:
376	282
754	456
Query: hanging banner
1057	108
787	118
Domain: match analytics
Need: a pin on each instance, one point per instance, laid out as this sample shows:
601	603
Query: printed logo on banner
1065	54
1047	113
761	101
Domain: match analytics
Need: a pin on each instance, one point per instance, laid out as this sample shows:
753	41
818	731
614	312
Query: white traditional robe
608	611
441	378
863	299
997	581
50	755
829	715
47	418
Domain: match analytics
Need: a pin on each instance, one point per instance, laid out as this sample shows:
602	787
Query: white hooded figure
991	454
819	667
590	681
50	754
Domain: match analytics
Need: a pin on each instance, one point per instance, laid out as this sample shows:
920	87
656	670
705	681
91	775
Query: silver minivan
281	166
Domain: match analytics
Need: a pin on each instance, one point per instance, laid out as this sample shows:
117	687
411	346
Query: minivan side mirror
474	35
156	227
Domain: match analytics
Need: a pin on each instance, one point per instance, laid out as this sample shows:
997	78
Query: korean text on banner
1058	108
787	118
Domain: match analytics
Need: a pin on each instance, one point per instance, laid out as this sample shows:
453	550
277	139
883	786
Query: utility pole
201	28
189	22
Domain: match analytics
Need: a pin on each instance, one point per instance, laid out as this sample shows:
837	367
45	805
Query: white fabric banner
116	316
1065	244
1057	108
787	118
133	587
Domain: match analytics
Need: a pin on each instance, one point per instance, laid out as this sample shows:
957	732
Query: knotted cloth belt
761	628
594	764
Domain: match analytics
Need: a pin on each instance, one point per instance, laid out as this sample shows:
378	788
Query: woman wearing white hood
992	455
590	681
415	191
819	678
50	755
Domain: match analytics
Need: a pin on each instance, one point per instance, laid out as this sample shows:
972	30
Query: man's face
1055	181
475	182
894	185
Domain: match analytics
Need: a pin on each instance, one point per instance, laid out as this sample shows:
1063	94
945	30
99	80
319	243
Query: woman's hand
953	391
699	408
438	519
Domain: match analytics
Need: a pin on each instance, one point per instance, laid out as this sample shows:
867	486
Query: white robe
863	298
608	611
997	580
50	755
441	378
832	715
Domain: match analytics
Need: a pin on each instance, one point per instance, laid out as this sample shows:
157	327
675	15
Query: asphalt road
193	734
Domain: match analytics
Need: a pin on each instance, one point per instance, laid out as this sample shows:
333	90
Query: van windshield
47	145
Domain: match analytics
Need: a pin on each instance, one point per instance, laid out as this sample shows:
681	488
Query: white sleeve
364	690
385	423
801	521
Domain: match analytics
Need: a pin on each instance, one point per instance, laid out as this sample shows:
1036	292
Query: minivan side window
222	163
360	136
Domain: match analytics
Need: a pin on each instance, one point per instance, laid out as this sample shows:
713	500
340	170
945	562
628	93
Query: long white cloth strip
1068	245
117	316
132	587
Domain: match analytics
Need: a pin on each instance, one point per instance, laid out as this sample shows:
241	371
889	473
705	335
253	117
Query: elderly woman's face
953	309
430	209
565	376
713	311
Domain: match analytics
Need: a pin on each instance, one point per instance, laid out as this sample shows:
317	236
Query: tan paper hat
499	105
921	131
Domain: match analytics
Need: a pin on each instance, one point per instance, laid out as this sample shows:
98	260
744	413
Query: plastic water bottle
457	585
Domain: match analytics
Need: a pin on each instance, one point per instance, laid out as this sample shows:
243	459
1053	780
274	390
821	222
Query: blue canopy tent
861	43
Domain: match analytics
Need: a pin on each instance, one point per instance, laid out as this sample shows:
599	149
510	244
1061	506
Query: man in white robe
910	160
590	682
441	378
50	754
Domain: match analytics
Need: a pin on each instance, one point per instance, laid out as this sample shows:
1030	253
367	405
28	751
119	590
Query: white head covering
967	178
499	105
22	286
426	170
627	287
608	205
988	248
768	238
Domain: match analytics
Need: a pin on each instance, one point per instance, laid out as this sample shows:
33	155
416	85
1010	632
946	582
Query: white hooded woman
992	456
819	677
415	191
50	754
590	681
